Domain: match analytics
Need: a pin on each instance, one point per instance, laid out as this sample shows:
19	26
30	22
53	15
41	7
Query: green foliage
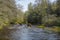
9	13
33	17
44	12
41	26
57	22
41	12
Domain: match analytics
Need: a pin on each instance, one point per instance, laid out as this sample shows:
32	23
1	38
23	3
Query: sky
25	3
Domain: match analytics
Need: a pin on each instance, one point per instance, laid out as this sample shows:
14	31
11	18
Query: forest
41	20
42	12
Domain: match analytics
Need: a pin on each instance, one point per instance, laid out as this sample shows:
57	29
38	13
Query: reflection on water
25	33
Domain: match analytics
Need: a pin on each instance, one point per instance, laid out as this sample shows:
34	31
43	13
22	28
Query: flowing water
27	33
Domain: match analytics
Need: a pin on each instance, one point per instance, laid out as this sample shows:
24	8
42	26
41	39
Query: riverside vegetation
44	13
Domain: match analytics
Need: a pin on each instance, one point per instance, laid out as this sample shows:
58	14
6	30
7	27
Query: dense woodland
9	13
42	12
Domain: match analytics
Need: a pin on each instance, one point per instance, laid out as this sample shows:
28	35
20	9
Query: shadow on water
26	33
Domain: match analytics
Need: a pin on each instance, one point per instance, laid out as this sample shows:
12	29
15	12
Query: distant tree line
43	12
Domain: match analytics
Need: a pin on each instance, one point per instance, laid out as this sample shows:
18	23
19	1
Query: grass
55	29
41	26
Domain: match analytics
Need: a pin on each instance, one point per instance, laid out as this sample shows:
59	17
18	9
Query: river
22	32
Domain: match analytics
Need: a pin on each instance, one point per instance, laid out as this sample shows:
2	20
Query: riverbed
23	32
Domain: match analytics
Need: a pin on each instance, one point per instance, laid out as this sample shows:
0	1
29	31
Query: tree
20	16
44	12
9	12
33	17
58	8
57	12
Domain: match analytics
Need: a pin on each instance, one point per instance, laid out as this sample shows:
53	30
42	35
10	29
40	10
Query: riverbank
8	26
54	29
27	33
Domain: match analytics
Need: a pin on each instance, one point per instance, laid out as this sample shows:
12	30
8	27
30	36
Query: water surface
27	33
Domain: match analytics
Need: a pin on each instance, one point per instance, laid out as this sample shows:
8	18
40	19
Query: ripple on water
24	33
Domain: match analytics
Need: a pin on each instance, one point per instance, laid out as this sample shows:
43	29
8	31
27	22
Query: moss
41	26
55	29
